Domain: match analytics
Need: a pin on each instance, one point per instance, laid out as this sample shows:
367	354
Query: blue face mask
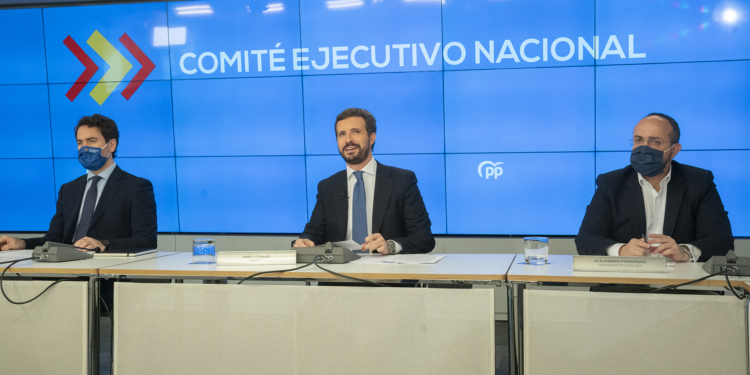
91	157
648	161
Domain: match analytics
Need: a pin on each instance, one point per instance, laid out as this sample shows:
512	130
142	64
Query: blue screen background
234	126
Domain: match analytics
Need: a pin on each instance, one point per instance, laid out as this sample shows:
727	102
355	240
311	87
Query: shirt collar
370	168
105	173
663	182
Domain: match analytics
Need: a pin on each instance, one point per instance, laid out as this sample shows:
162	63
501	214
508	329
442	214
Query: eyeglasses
652	142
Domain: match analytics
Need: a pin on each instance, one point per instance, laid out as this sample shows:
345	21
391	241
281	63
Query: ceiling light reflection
333	4
194	9
169	36
277	7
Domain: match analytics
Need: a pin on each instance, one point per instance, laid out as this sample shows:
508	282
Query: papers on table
9	253
350	244
400	259
670	263
413	258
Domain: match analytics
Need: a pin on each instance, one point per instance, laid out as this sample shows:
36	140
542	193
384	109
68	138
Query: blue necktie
88	209
359	210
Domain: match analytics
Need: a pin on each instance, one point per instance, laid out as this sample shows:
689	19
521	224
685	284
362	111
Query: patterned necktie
88	209
359	210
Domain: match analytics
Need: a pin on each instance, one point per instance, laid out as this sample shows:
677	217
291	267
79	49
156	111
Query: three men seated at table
656	205
107	208
377	206
653	206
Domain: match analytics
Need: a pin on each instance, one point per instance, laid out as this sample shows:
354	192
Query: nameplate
619	264
252	258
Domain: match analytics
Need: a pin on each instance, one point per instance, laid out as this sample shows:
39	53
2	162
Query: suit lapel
110	188
634	201
383	187
341	201
675	192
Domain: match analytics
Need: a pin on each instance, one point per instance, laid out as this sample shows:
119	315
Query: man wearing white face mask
656	205
106	208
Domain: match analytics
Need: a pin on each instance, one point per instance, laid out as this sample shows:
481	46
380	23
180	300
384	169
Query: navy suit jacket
125	214
398	214
694	213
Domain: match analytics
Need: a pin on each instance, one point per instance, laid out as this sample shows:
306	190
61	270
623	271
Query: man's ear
676	149
112	146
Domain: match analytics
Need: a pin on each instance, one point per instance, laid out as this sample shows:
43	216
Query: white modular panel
48	335
239	329
586	333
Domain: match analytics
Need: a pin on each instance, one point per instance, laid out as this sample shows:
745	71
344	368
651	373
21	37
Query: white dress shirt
656	206
369	173
99	186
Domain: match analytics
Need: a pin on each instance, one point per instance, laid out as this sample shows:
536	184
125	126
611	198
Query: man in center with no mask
377	206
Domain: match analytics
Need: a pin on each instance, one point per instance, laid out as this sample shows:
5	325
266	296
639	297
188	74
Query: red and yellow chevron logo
119	66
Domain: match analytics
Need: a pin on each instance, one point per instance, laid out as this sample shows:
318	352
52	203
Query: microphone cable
275	271
315	262
37	296
726	274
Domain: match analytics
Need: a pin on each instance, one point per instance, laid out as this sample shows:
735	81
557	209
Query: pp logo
493	169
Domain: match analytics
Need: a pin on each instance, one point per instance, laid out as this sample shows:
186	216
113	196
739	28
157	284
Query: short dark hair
105	124
675	128
370	124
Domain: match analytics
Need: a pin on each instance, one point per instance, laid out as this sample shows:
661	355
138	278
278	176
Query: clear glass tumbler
204	251
535	250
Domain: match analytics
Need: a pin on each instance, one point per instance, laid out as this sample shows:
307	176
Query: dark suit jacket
694	213
125	214
398	214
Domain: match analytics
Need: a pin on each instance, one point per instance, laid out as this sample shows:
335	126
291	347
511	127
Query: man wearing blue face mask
107	208
656	205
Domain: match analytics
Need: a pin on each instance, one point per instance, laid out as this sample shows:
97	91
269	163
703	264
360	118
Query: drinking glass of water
204	251
535	250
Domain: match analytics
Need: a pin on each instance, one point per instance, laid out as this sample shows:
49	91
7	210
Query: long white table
60	329
458	267
560	269
287	327
185	328
573	332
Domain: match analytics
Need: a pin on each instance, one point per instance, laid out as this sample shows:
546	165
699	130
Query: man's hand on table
302	242
89	243
635	248
11	243
668	248
376	242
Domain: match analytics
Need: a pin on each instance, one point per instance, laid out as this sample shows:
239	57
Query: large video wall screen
506	110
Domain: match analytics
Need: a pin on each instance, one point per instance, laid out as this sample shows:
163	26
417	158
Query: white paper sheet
413	258
350	244
10	253
375	258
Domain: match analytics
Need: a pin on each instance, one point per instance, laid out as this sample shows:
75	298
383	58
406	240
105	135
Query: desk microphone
738	266
58	252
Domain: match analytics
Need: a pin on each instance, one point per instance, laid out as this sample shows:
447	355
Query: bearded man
377	206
